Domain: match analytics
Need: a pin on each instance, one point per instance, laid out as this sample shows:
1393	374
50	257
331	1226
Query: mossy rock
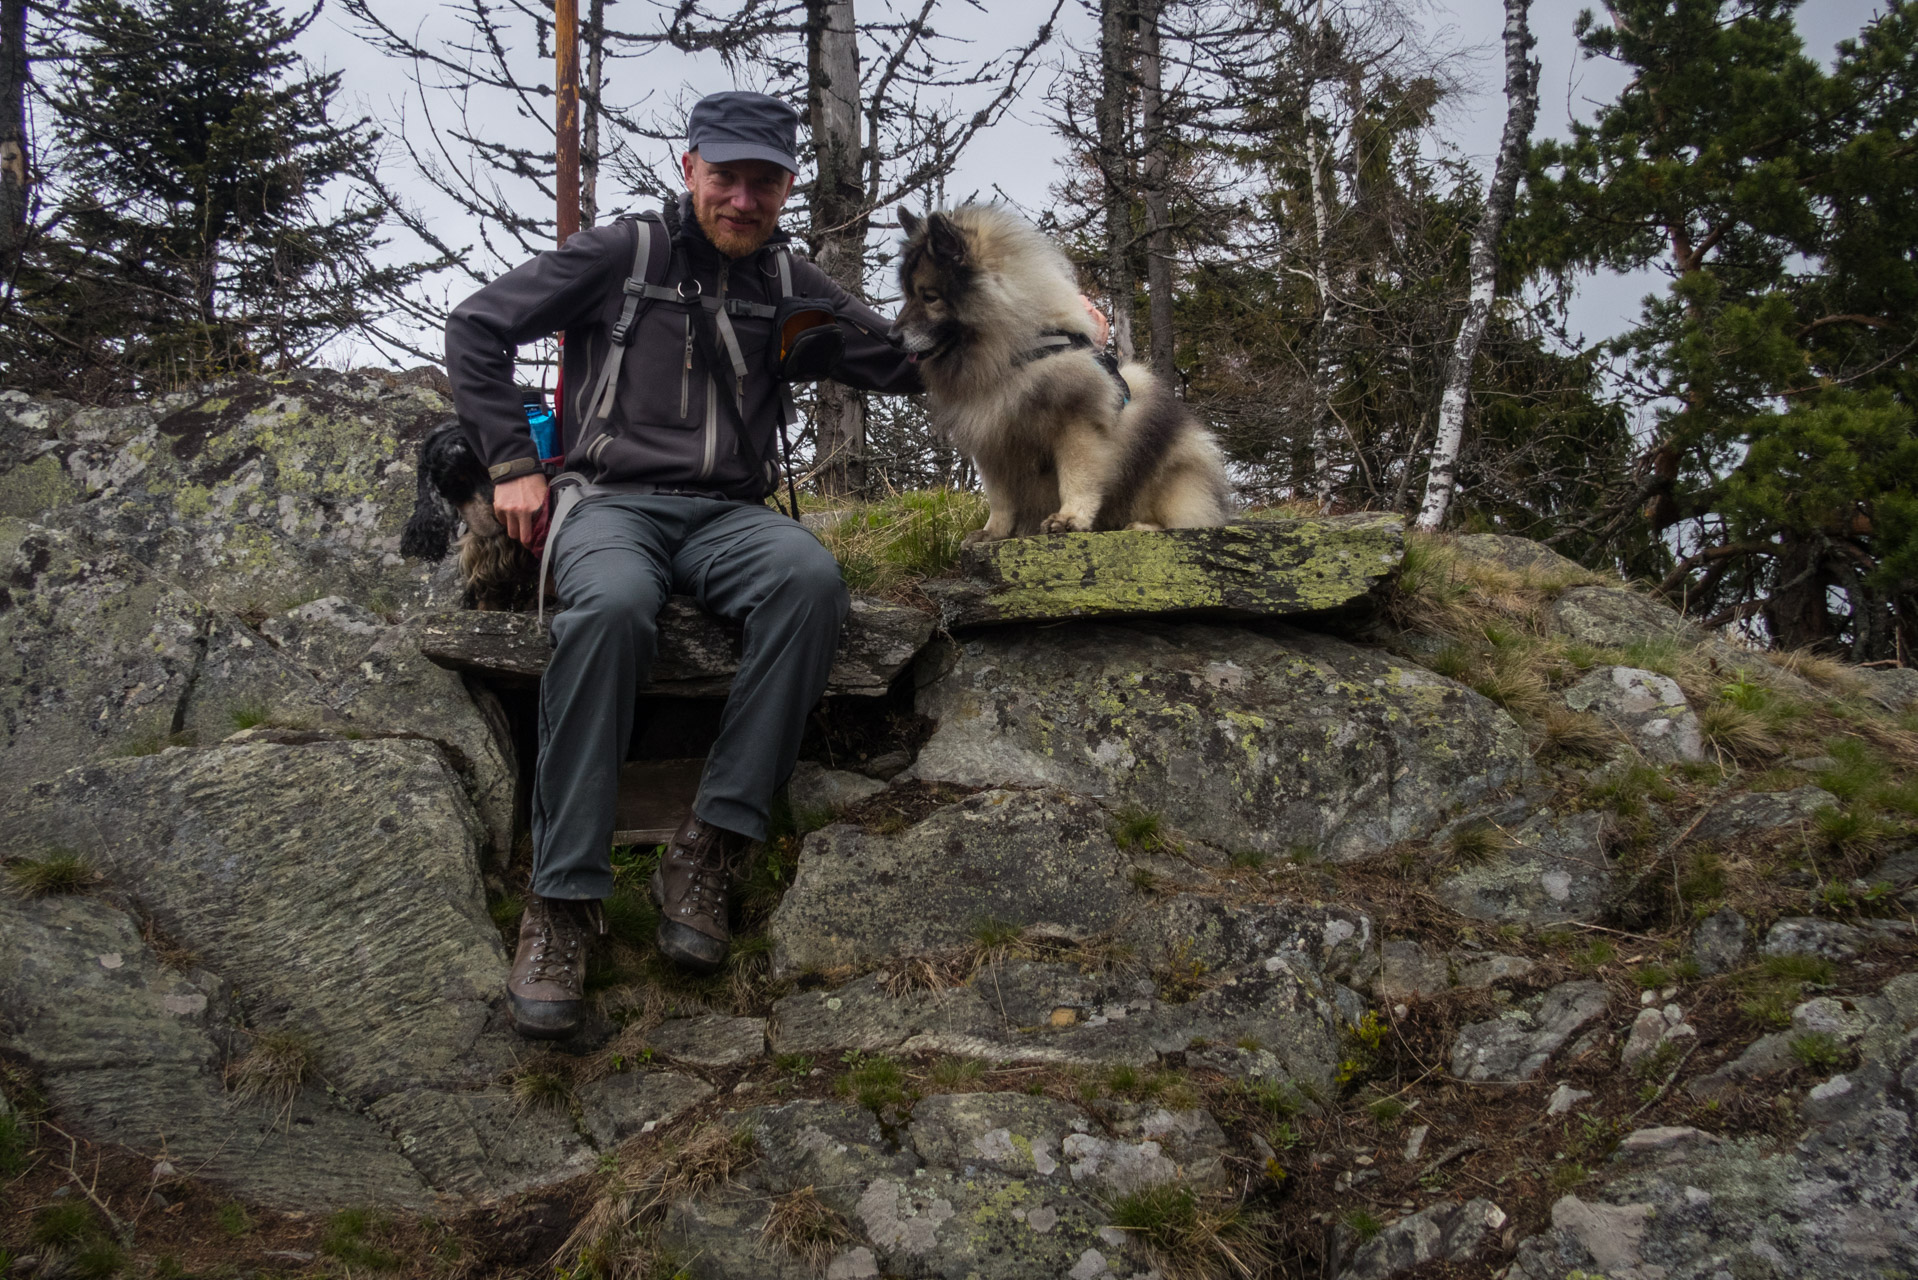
1253	569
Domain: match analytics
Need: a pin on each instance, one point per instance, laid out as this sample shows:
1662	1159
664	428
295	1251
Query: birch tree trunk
1521	108
589	123
1325	474
1158	214
13	135
1115	74
839	221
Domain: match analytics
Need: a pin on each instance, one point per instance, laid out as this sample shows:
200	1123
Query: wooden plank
654	798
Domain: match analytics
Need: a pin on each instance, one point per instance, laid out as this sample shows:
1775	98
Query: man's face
737	203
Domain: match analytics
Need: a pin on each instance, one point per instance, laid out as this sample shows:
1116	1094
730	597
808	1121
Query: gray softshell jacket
668	428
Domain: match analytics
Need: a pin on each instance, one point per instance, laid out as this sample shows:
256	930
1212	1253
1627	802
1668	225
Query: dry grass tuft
274	1068
1576	735
541	1085
620	1225
60	872
1192	1239
1736	732
1827	674
803	1225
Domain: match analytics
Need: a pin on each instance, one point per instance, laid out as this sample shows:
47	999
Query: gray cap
744	126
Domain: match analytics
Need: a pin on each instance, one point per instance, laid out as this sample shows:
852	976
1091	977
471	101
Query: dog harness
1057	341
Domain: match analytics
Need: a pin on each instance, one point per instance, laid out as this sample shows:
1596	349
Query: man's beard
727	241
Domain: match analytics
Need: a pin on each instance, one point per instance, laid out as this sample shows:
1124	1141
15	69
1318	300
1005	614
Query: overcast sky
1020	156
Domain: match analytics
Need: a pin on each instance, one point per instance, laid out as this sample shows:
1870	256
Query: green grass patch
14	1146
874	1082
955	1073
1818	1050
59	872
891	545
349	1241
1139	830
233	1219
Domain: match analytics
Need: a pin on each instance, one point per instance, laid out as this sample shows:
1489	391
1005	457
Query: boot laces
711	868
560	941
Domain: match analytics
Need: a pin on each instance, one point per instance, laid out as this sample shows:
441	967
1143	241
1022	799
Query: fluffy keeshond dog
1064	440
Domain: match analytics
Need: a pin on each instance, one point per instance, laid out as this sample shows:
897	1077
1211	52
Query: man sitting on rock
679	453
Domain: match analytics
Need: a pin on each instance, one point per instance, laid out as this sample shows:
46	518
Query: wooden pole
566	124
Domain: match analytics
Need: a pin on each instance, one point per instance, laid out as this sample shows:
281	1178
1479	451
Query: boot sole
544	1019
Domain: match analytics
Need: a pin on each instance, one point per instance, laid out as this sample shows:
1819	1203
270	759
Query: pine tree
207	222
1779	199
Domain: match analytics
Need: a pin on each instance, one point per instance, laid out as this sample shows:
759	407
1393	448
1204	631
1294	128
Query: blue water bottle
544	423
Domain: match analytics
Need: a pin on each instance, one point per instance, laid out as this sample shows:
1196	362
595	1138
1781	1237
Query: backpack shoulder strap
652	254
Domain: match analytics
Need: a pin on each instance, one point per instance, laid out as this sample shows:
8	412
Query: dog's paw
1145	526
976	537
1061	522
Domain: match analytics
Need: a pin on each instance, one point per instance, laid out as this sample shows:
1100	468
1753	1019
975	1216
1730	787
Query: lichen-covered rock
1534	560
709	1040
1893	688
1275	1019
1763	811
1617	618
1022	860
698	653
943	1209
100	657
1838	1203
815	789
1649	709
259	493
1550	868
334	888
132	1052
340	880
1517	1044
1831	939
1245	740
1721	942
1449	1231
373	678
1251	569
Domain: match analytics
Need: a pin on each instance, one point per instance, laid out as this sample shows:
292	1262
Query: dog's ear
908	222
947	242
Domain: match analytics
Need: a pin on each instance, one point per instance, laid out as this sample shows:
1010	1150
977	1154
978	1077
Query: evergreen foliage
1782	200
205	219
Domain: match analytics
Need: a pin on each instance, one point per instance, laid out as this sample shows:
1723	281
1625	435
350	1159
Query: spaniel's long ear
909	222
947	242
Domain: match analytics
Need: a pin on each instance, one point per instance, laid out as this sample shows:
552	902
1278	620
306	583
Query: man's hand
1098	319
518	503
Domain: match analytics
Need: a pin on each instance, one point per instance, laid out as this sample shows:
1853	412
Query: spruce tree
207	219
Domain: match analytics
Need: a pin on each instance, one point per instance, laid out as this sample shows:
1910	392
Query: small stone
112	960
1719	943
1832	1088
1563	1099
1415	1142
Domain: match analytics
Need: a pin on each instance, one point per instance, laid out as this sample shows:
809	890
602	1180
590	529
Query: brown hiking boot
548	982
691	887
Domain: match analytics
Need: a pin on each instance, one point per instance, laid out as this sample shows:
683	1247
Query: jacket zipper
686	370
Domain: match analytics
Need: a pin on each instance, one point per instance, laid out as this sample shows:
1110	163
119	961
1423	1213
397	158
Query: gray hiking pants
616	560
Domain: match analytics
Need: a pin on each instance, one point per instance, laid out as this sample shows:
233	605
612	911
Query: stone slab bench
698	653
1254	568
